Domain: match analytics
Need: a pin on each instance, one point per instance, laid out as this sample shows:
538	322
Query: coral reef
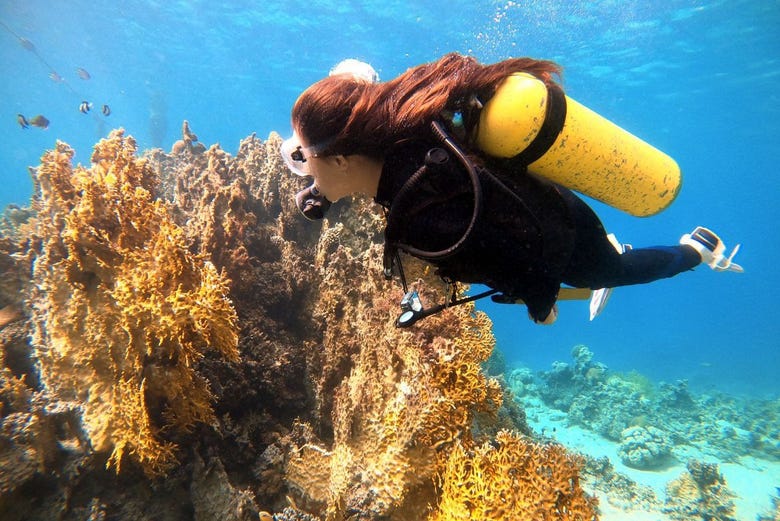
121	309
644	447
723	427
700	493
512	478
305	401
618	489
399	404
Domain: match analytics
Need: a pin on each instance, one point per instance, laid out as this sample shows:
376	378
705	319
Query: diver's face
331	176
329	172
335	176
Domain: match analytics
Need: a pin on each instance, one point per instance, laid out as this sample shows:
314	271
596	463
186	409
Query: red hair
348	115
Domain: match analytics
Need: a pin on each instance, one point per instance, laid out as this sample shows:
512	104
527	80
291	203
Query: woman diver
459	193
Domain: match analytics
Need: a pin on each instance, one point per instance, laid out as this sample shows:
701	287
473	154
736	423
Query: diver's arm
540	297
551	317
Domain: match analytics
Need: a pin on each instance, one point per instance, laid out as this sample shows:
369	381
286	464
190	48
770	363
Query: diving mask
296	156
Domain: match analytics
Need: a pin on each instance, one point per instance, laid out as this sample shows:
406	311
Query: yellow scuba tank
590	154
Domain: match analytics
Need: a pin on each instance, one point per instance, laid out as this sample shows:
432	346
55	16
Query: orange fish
39	121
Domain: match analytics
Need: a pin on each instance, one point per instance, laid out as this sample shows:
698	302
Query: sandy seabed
754	481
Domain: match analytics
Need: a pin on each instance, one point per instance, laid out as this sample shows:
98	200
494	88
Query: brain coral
644	447
122	309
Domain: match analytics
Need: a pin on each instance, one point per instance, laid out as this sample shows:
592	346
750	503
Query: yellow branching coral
513	478
408	394
122	308
404	403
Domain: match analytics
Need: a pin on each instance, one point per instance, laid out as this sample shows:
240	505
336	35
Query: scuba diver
474	166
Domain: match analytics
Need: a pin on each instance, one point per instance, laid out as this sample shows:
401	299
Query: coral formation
405	396
188	142
593	397
122	275
644	448
330	411
122	310
723	427
700	493
619	490
512	478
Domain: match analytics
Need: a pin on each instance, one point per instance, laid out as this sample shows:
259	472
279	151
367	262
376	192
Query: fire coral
122	310
512	478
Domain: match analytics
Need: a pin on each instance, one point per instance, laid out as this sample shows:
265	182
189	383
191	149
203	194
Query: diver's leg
641	265
595	262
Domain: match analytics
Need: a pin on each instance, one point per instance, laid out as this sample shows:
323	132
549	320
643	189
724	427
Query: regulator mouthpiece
311	203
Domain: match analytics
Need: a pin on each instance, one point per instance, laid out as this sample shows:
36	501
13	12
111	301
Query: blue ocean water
697	79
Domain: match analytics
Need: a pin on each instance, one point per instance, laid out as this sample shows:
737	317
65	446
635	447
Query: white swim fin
600	297
712	249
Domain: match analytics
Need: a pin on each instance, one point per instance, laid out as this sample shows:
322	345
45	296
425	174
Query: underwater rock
719	426
610	406
25	445
582	356
214	497
558	388
291	514
619	489
676	396
188	142
522	382
644	448
15	262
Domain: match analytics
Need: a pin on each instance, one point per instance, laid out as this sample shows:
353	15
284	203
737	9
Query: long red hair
348	115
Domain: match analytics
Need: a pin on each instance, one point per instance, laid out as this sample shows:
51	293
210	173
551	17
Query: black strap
554	118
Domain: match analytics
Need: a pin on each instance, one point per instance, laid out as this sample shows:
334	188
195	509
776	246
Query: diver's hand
551	317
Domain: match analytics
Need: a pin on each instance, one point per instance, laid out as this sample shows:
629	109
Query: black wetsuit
532	235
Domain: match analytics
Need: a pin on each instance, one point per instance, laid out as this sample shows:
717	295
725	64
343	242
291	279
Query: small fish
39	121
22	121
56	77
27	44
85	107
106	110
83	74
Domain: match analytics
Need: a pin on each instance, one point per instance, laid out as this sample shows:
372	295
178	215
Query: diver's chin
329	196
